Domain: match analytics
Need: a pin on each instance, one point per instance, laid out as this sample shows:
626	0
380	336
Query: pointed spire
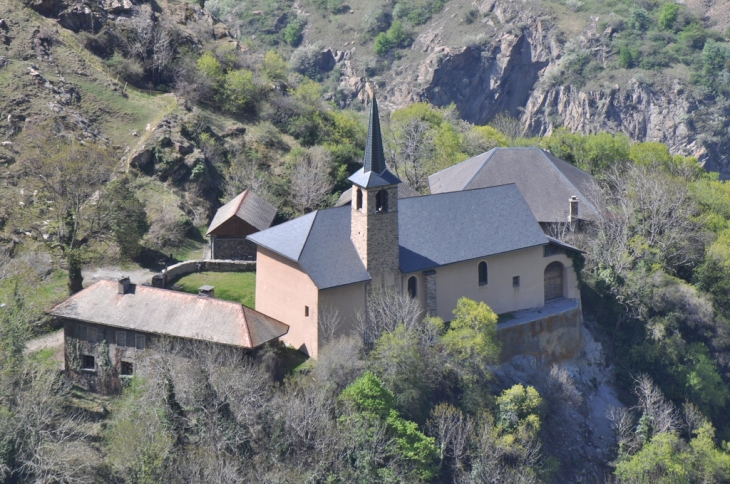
374	154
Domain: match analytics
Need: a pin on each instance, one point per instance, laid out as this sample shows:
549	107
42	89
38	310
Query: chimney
123	285
573	209
206	291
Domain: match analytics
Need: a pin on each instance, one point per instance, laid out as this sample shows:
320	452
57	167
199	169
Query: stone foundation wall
553	338
237	248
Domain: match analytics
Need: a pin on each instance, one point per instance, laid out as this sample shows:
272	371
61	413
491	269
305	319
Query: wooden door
553	281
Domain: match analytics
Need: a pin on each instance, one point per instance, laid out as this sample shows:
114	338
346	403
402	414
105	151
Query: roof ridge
247	326
544	154
309	232
484	163
243	198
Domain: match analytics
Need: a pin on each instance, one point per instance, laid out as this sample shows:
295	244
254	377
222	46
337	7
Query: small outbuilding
109	323
246	214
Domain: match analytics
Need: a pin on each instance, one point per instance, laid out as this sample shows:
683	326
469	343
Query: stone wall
233	248
556	337
191	266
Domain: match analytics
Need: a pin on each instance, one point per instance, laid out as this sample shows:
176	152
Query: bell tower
374	218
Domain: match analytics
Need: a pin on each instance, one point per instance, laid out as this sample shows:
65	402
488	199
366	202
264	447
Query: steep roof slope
546	182
247	206
171	313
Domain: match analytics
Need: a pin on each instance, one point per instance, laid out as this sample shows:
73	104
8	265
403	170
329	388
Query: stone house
109	323
484	244
556	191
246	214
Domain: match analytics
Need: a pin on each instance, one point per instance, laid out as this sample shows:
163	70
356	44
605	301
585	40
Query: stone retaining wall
553	338
190	266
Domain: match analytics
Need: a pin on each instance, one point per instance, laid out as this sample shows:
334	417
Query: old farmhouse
246	214
124	319
556	191
484	244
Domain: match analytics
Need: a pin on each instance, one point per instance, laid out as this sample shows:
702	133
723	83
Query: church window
358	199
413	287
516	281
381	201
483	275
306	311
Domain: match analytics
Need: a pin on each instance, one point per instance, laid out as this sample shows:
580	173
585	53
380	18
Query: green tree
239	91
274	66
128	218
472	338
639	18
625	59
519	406
668	16
293	33
67	181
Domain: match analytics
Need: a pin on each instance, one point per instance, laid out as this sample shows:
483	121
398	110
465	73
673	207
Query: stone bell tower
374	229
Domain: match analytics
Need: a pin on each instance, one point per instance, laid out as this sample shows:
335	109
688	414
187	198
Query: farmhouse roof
170	313
247	206
434	230
546	182
404	191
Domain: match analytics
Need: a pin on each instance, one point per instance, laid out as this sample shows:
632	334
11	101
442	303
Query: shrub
639	19
293	33
130	70
239	90
668	16
376	21
274	66
625	59
304	60
396	37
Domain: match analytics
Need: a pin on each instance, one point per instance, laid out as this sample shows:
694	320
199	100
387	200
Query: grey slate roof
247	206
374	173
404	191
546	182
452	227
320	243
434	230
170	313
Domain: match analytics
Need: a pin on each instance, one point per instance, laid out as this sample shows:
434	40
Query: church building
484	244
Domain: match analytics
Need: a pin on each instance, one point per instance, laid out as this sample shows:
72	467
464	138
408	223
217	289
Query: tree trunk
75	279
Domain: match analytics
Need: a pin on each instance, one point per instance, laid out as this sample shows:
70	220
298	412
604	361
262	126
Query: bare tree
151	42
385	309
329	322
664	415
453	431
622	423
508	125
410	147
311	180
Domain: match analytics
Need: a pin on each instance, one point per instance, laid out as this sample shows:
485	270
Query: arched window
381	201
413	287
483	275
358	199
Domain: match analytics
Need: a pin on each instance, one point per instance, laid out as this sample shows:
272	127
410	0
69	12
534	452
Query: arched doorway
554	281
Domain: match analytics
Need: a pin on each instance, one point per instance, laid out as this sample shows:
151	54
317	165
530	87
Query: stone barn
246	214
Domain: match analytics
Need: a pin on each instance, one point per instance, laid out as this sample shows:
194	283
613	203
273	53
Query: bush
293	33
639	19
625	59
239	91
668	16
396	37
375	22
130	70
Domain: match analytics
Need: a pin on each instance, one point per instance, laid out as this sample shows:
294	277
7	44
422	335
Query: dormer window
358	199
381	201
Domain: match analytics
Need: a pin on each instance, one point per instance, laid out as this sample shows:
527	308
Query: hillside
639	69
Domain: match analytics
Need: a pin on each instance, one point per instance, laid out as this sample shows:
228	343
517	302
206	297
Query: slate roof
442	229
404	191
434	230
247	206
170	313
546	182
320	243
